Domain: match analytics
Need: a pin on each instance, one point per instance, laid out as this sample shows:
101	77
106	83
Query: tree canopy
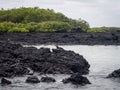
37	20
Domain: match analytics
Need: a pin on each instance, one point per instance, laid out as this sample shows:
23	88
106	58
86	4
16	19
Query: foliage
48	26
42	20
16	29
80	23
35	19
26	15
54	26
5	26
32	26
103	29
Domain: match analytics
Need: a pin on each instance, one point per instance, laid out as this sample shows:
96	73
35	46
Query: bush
53	26
102	29
32	27
16	29
5	26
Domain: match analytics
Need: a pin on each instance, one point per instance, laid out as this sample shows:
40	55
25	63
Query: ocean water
103	60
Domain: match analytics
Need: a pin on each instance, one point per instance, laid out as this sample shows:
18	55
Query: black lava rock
76	36
32	79
5	81
77	79
16	60
114	74
47	79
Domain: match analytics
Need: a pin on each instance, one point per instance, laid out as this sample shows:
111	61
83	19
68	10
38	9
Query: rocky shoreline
16	60
80	38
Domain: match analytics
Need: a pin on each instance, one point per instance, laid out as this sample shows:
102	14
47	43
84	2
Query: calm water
103	60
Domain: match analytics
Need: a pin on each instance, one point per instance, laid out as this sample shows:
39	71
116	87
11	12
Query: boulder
16	60
47	79
76	79
5	81
32	79
114	74
70	60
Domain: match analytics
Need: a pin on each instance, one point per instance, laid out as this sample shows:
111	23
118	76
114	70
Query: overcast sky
96	12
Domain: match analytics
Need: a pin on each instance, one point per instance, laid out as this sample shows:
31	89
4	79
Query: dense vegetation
48	26
42	20
37	20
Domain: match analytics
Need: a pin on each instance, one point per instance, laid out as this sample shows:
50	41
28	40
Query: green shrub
32	27
5	26
102	29
53	26
16	29
46	30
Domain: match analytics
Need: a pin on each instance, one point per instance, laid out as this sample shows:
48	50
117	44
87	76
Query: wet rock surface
77	79
16	60
4	81
32	79
47	79
105	38
114	74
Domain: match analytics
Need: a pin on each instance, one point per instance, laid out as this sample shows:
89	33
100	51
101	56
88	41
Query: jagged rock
8	70
101	38
5	81
47	79
114	74
16	60
32	79
77	79
69	60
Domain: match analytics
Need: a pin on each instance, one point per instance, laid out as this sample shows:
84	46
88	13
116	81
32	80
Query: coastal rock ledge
16	60
114	74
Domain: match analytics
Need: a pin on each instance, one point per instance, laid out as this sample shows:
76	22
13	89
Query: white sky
96	12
